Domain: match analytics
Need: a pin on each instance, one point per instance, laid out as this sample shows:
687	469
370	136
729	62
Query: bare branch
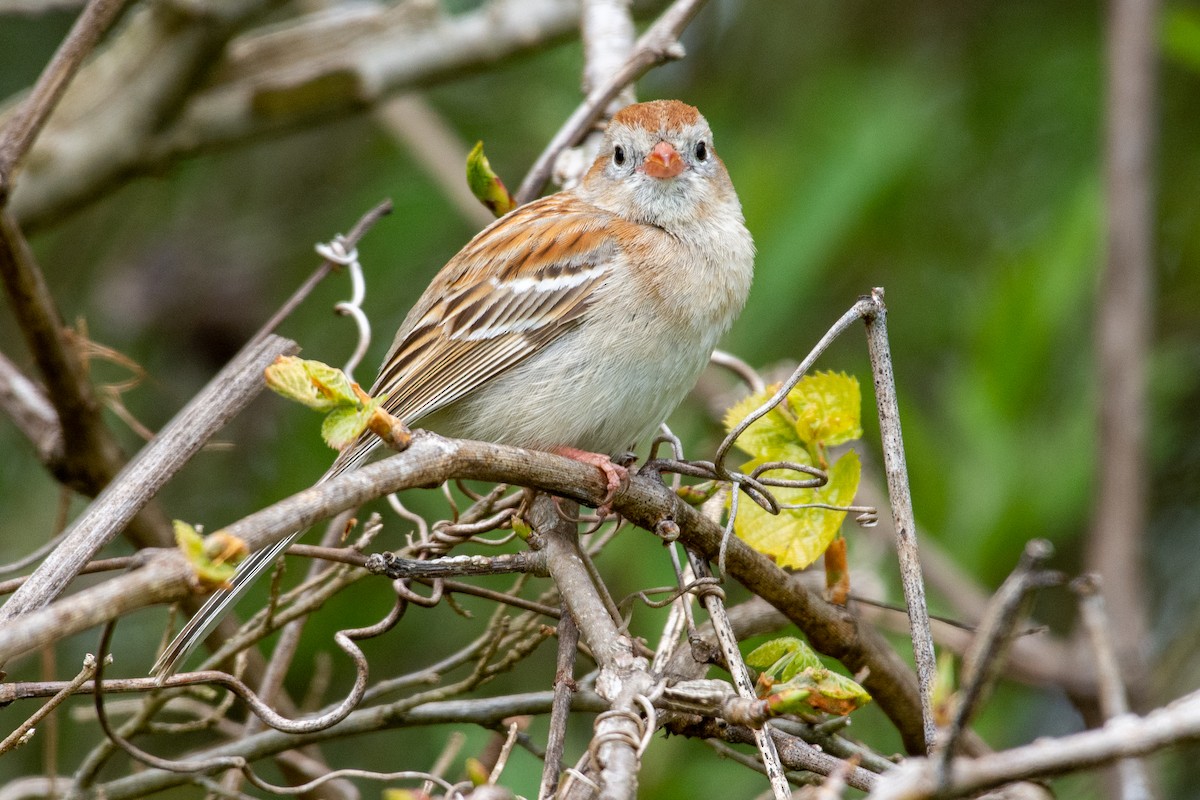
713	599
1123	737
487	712
268	84
1124	323
225	395
564	688
91	456
27	406
164	577
1114	702
902	512
984	659
22	130
659	44
432	459
623	676
18	736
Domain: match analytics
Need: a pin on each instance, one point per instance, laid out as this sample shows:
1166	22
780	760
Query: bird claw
614	474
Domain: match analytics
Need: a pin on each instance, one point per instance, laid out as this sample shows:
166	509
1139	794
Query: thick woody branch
1124	324
165	577
226	394
623	675
432	459
90	455
606	28
120	119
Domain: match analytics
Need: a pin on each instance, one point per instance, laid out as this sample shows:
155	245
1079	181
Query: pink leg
614	474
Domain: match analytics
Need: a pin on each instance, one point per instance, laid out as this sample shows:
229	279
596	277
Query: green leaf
486	185
824	409
214	558
345	424
766	437
796	538
312	383
782	658
828	408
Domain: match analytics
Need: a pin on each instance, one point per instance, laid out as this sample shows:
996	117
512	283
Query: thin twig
18	736
902	513
659	44
351	239
1114	702
90	568
713	599
484	712
984	660
22	130
564	688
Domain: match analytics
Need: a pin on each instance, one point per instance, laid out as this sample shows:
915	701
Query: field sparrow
575	323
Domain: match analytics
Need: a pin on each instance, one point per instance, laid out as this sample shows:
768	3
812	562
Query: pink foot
614	474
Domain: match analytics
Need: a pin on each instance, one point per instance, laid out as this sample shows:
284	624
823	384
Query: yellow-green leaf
796	538
783	657
766	436
344	424
486	184
313	383
828	408
214	558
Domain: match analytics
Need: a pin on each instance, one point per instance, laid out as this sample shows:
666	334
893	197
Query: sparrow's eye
701	151
619	155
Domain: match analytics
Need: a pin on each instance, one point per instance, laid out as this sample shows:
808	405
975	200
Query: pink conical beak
663	162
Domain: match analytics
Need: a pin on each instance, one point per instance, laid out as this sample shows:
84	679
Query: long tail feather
220	601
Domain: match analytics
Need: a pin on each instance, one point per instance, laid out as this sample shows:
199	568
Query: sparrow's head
657	166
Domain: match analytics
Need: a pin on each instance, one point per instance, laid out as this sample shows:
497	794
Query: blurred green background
949	152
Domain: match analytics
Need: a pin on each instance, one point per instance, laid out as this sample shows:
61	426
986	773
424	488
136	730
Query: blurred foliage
949	152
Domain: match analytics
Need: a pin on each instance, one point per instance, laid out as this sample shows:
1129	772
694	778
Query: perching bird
575	323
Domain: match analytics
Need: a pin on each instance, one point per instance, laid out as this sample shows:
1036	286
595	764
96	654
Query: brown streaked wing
473	331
